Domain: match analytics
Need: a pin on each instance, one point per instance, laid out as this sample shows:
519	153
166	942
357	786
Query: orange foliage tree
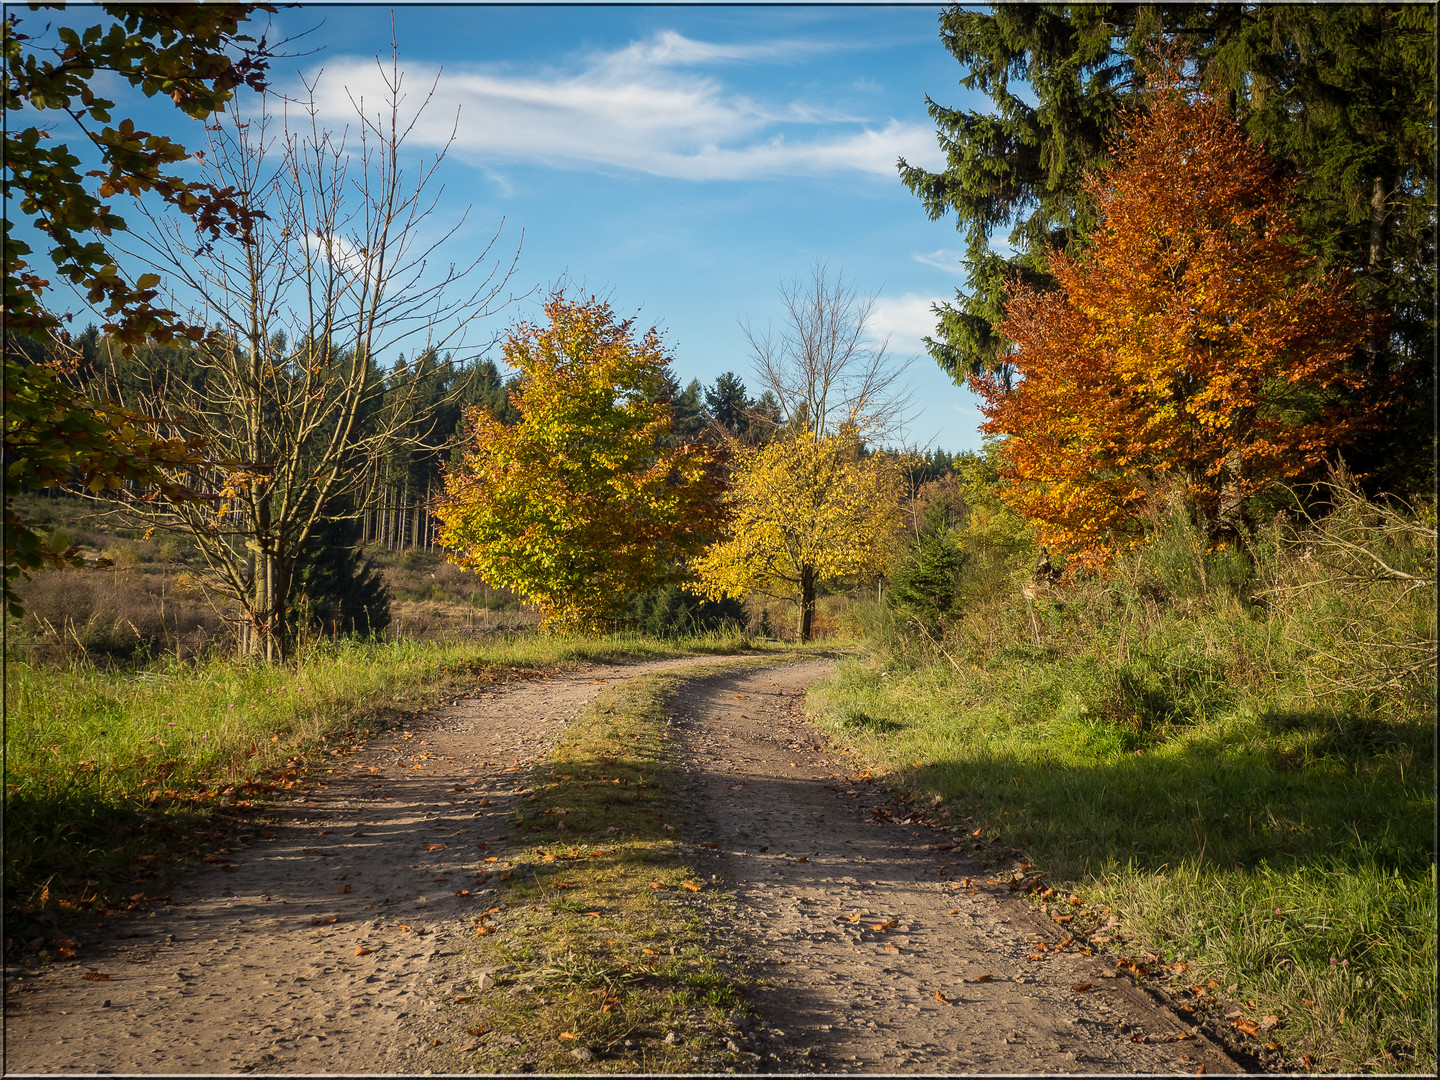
586	500
1192	344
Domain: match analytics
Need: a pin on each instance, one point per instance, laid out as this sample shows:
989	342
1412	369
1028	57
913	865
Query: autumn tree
1192	343
1342	95
805	512
585	499
196	56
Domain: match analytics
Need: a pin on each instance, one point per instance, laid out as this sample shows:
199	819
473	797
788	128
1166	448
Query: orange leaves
95	976
690	886
1081	988
361	950
1186	346
888	924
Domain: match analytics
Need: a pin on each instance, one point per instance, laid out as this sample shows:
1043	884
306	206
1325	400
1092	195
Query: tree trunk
807	602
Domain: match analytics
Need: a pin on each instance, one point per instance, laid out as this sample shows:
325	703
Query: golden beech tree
582	502
804	510
1191	344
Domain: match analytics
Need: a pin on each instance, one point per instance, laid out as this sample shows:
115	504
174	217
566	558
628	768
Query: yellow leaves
804	502
574	507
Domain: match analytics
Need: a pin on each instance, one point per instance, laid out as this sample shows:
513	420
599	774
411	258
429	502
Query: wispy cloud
947	259
645	108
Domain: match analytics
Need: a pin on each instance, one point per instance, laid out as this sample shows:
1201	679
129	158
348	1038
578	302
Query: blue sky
680	161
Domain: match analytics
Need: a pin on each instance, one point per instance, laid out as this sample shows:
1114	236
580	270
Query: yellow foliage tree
805	511
585	500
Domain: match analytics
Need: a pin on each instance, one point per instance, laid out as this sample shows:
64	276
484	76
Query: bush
672	611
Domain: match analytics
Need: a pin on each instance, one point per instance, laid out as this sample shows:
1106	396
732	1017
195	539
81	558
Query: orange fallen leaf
361	950
656	885
462	892
592	914
803	858
439	877
690	885
567	1035
1247	1026
548	858
1062	918
854	918
95	976
983	978
888	924
941	997
893	948
1080	988
649	952
404	928
343	889
492	858
436	847
475	1031
954	911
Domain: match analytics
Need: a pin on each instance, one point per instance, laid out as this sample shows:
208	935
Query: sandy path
256	968
804	853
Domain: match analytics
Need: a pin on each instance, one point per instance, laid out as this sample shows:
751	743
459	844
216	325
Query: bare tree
341	268
822	366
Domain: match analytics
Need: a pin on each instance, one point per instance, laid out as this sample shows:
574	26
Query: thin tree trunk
807	602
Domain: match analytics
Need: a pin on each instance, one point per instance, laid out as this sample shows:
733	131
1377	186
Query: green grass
111	776
1175	769
599	943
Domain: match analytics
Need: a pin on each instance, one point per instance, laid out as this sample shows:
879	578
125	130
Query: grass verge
1267	851
598	947
111	777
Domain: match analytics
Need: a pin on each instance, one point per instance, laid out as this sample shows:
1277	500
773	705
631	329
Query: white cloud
637	108
906	320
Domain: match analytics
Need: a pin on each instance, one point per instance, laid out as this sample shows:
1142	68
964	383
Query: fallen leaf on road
1080	988
893	948
983	978
954	911
462	892
888	924
941	997
95	976
803	858
361	950
1062	918
475	1030
438	877
1247	1026
436	847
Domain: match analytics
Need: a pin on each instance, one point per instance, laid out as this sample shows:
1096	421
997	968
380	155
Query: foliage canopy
1193	342
581	502
805	510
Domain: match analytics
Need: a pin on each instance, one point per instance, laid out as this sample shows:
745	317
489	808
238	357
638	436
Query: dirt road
329	947
878	959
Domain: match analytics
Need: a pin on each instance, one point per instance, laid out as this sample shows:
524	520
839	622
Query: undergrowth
1234	753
